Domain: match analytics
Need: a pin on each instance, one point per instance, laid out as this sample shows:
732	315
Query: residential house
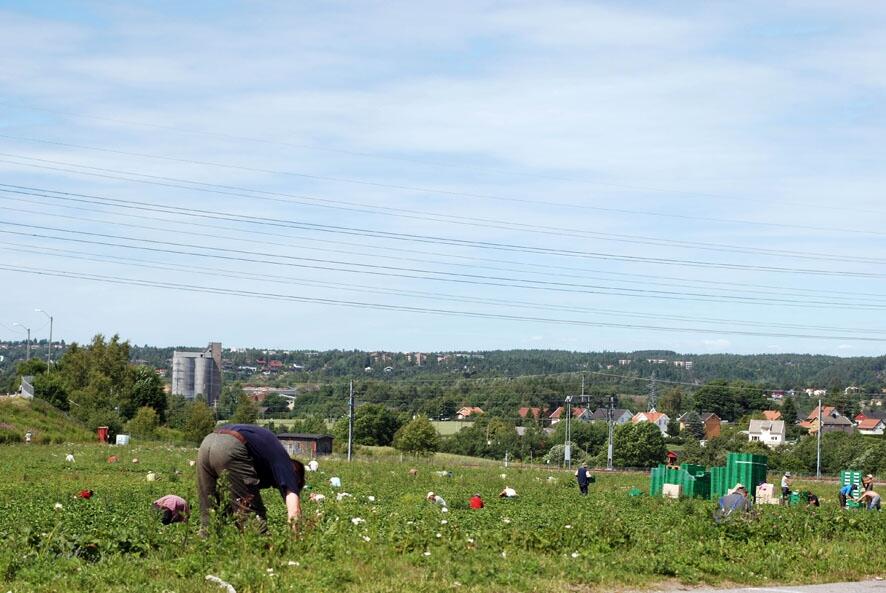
577	414
769	432
467	412
710	421
871	427
660	419
711	425
534	413
771	415
623	362
831	421
777	394
619	415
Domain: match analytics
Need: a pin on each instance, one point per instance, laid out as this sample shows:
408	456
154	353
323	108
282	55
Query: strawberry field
384	536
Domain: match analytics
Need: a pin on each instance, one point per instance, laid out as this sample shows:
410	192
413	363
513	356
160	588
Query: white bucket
122	439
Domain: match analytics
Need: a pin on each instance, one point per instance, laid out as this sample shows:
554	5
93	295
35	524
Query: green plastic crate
691	486
798	498
718	481
746	469
850	476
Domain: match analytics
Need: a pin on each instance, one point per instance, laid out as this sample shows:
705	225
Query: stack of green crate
694	481
746	469
851	476
718	482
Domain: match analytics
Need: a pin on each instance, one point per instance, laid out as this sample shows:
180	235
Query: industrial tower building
198	373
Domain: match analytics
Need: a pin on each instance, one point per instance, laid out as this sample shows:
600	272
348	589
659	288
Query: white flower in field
270	571
575	554
505	520
370	498
443	522
470	540
504	476
366	538
504	554
444	510
192	463
427	553
410	522
439	534
341	496
151	477
69	457
58	506
357	520
568	526
292	563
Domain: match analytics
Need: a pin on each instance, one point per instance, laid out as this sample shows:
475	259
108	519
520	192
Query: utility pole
567	450
653	396
818	444
28	347
351	420
48	349
609	448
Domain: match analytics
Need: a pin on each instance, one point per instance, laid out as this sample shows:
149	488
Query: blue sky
702	177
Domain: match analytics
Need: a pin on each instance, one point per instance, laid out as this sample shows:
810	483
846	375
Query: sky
698	177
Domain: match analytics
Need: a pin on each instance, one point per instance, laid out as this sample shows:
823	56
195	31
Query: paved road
874	586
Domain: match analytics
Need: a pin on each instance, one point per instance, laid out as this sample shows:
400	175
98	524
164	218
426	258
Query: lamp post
28	329
48	349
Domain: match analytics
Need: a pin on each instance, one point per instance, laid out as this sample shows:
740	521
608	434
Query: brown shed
306	445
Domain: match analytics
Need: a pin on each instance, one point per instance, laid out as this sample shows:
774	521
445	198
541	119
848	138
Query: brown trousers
223	453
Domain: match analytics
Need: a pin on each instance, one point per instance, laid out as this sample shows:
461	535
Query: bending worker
847	492
253	459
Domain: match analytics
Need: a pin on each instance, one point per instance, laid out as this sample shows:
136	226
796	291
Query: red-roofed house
660	419
577	413
467	412
871	426
535	413
772	415
831	420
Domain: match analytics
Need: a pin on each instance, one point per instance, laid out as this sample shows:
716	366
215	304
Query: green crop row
549	538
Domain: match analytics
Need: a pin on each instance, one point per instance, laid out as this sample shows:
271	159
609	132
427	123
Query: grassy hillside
48	425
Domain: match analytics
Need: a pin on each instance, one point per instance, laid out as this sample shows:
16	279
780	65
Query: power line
176	182
410	309
220	272
646	278
142	205
252	240
519	173
413	273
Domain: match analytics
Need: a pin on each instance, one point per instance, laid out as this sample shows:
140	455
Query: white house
871	426
660	419
769	432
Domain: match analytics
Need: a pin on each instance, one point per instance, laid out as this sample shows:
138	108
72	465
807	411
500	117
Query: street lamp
28	329
49	349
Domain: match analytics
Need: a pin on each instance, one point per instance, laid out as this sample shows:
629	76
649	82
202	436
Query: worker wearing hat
785	487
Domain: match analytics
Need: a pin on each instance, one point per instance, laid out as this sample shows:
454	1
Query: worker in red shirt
476	502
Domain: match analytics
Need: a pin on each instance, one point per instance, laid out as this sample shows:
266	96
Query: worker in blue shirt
253	459
847	492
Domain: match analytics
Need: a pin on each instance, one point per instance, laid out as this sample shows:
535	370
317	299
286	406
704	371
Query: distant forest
769	371
437	383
